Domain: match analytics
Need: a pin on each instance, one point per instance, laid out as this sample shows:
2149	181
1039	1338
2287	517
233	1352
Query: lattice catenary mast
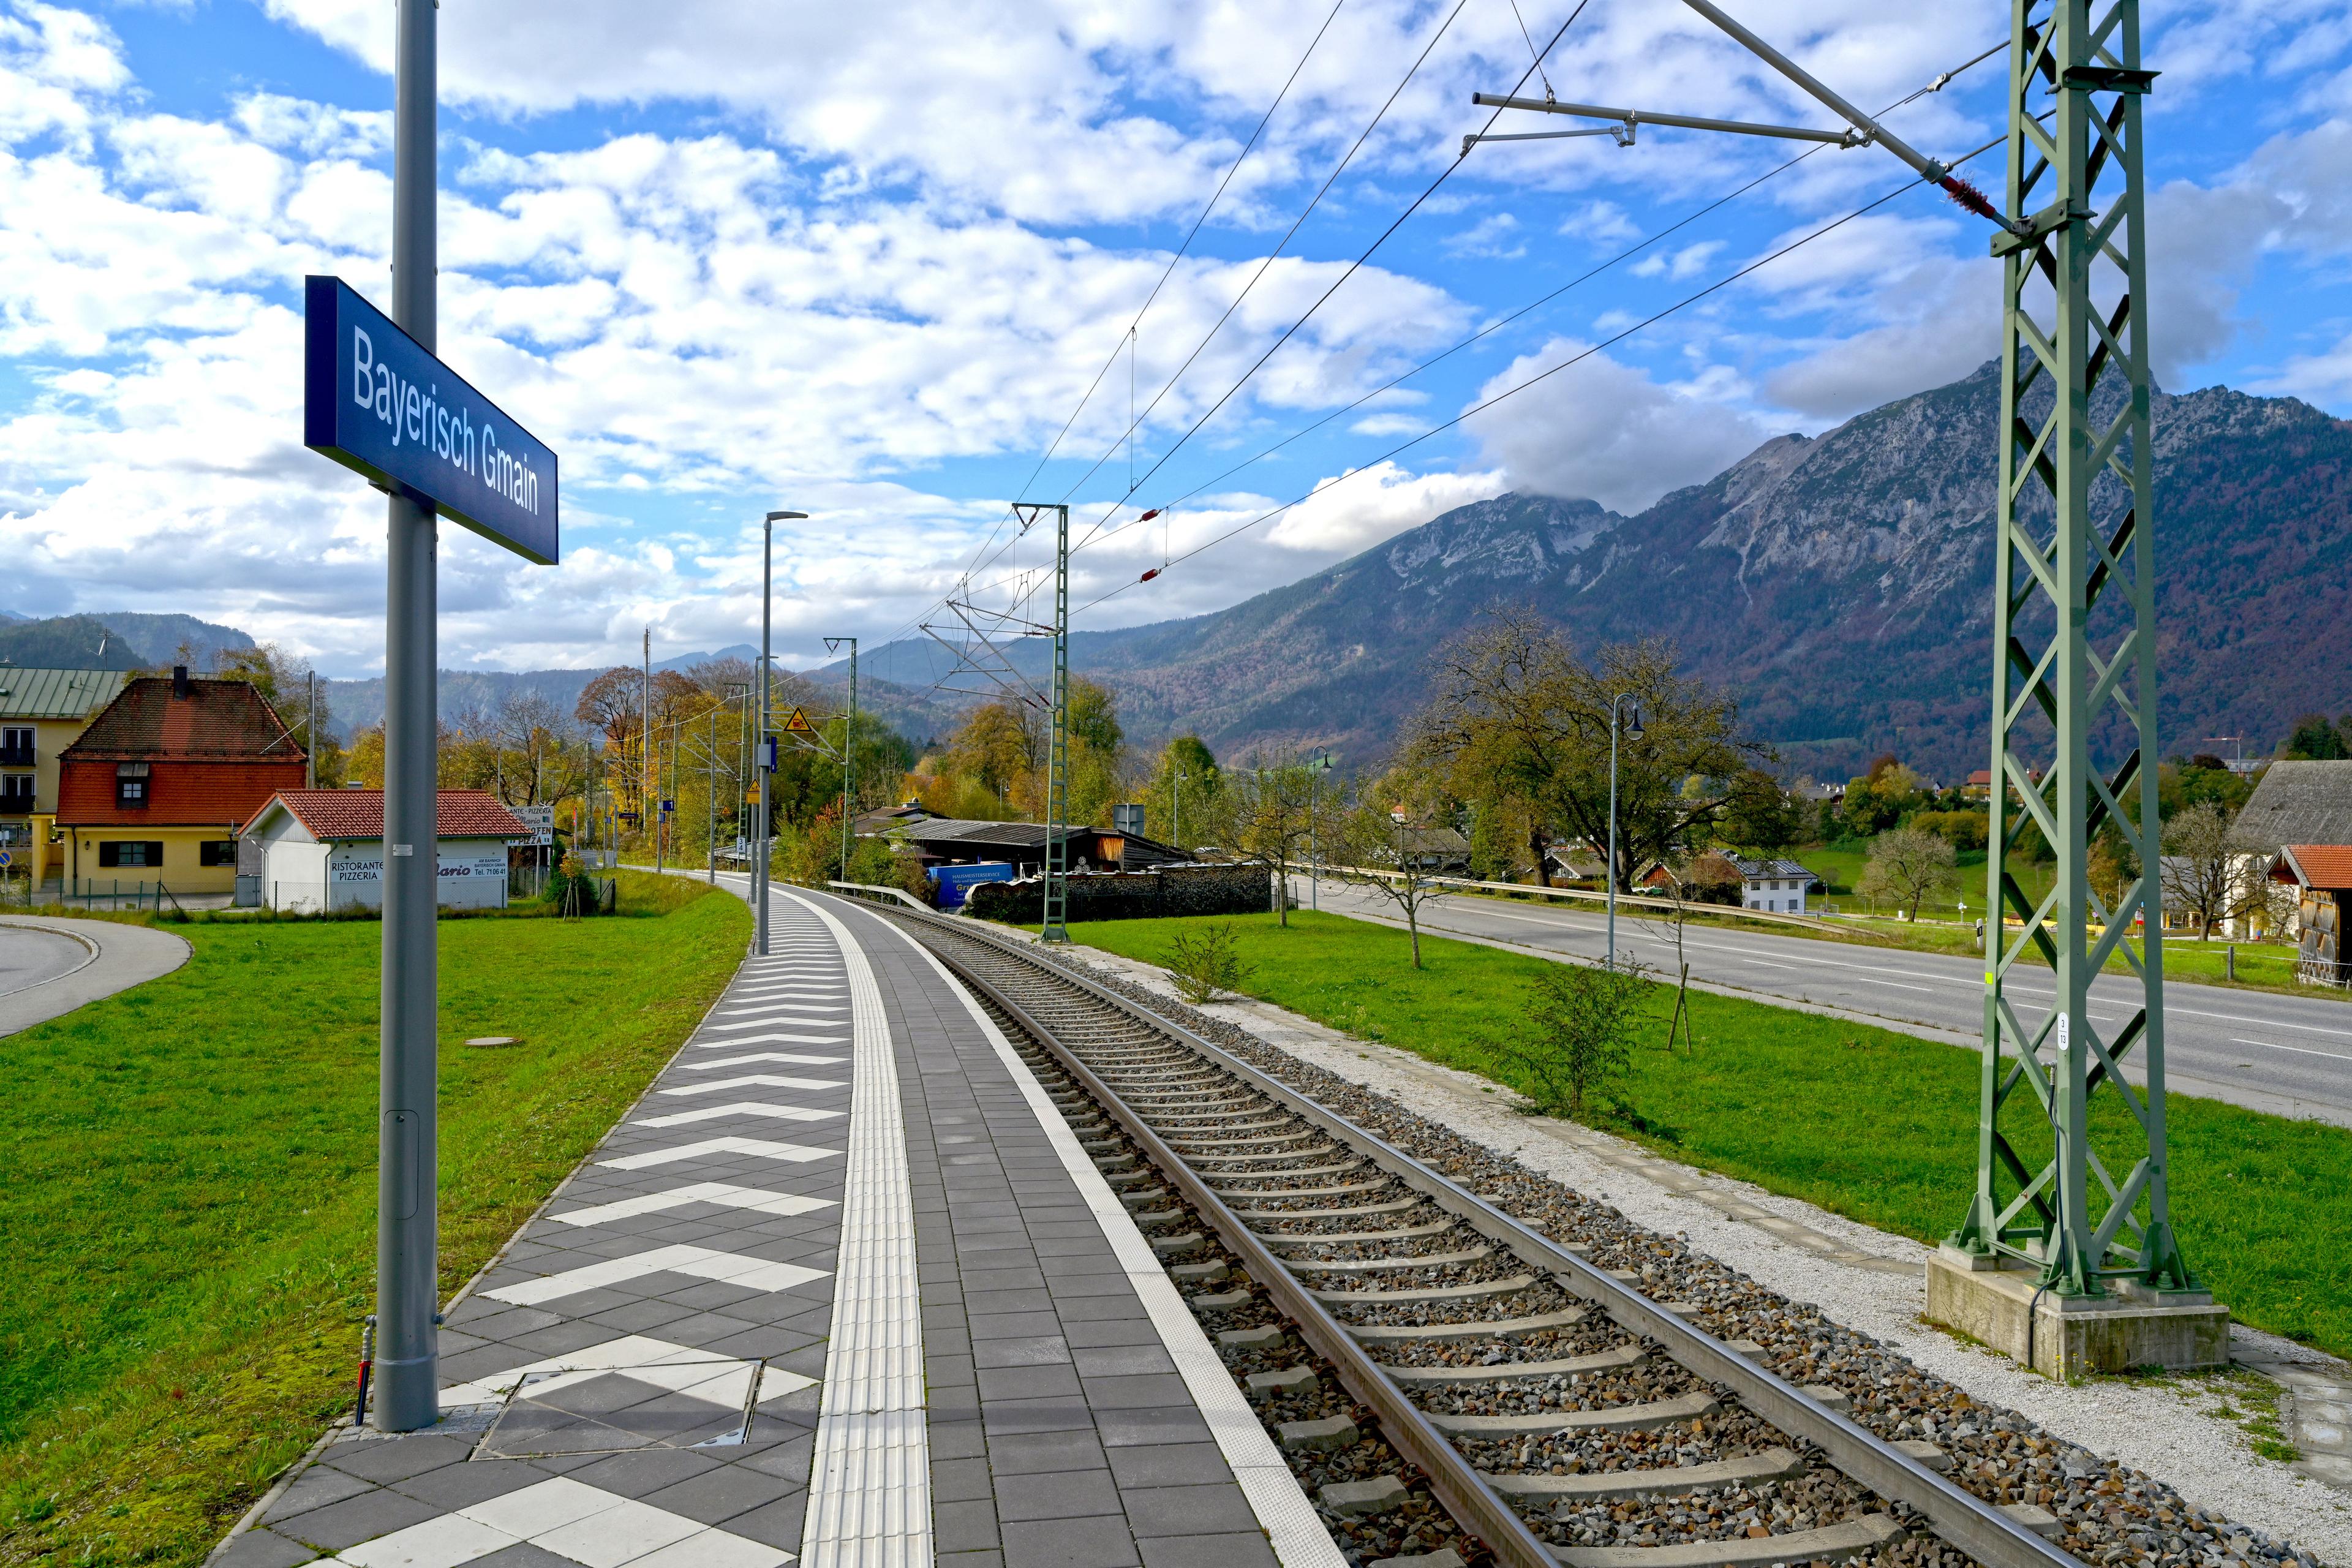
2074	642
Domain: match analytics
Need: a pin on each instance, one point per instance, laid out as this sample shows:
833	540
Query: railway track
1561	1407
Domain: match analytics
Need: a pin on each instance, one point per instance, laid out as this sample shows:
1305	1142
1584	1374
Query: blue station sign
375	401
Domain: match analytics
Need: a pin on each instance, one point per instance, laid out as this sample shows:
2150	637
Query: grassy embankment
187	1226
1864	1121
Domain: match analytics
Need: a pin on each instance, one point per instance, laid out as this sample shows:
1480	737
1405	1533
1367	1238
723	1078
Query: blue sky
864	262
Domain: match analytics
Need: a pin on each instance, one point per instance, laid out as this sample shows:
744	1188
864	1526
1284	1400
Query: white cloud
1604	431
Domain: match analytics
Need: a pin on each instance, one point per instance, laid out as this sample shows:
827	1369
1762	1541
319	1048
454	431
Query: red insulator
1148	516
1968	196
1148	577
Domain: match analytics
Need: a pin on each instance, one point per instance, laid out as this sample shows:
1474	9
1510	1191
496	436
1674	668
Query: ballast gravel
2006	1428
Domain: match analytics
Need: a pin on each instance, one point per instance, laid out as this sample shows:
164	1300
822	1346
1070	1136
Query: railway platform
841	1289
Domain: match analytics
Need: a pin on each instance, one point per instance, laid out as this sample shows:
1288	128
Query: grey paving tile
1070	1543
960	1480
454	1487
1035	1382
317	1487
1215	1508
391	1458
522	1554
1040	1453
1238	1550
777	1524
1039	1349
354	1520
260	1548
1171	1424
964	1526
718	1495
1137	1391
1063	1494
642	1474
1168	1464
1107	1360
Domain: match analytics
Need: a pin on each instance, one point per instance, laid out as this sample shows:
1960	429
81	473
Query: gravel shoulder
1865	1278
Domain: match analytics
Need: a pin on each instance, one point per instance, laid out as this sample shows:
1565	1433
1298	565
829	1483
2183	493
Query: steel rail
1960	1517
1450	1476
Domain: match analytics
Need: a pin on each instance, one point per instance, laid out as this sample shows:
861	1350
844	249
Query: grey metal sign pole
407	1384
760	754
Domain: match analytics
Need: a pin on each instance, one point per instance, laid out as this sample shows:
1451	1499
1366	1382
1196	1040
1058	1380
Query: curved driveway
2291	1054
50	966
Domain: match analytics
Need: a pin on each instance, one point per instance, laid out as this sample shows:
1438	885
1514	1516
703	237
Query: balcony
17	756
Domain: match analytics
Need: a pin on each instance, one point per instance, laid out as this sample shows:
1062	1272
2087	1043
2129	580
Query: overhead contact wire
1480	407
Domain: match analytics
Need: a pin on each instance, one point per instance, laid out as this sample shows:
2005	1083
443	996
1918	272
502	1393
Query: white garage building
316	849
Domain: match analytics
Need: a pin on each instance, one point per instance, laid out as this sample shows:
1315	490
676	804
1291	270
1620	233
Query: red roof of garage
330	813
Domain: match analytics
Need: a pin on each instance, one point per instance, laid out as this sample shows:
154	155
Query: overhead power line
1480	407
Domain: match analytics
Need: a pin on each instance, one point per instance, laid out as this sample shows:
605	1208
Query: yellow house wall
182	870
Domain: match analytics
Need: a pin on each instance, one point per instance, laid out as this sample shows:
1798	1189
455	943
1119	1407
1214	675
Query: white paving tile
869	1480
442	1542
769	1017
758	1057
740	1107
714	1548
536	1509
701	1262
797	1153
724	1194
736	1045
617	1536
721	1380
757	1080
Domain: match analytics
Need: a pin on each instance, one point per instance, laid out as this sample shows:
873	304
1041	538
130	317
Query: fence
1237	889
91	893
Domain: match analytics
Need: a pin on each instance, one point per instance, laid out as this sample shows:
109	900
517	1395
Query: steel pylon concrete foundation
2071	1167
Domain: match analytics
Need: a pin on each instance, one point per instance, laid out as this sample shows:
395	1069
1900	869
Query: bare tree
1910	865
1266	814
2205	870
1380	848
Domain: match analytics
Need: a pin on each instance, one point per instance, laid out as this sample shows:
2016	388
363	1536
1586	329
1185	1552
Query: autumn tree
1185	781
1909	865
1513	710
1266	814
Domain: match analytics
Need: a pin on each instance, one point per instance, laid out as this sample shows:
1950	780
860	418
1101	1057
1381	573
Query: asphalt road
2286	1054
29	957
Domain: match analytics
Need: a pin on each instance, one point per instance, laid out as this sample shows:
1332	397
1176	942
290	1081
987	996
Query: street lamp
1315	771
1632	729
766	757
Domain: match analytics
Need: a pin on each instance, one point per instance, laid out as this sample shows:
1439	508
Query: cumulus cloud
1604	431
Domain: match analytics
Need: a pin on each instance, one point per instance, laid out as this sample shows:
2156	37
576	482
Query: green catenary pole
2074	680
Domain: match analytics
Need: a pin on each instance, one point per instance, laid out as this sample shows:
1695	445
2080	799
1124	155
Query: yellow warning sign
798	725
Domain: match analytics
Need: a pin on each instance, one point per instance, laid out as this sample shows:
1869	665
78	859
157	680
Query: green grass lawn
187	1223
1864	1121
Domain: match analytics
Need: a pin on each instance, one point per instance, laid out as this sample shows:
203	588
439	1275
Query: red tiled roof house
323	848
156	787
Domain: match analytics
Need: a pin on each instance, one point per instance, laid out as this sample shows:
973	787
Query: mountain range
1839	586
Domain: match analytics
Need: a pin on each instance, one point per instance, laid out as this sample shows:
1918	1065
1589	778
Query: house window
216	852
16	746
15	791
130	784
130	852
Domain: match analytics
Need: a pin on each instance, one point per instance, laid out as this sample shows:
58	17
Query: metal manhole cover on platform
671	1403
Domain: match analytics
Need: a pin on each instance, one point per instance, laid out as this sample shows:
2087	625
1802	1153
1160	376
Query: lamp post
1634	732
848	739
1315	771
1176	810
765	757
